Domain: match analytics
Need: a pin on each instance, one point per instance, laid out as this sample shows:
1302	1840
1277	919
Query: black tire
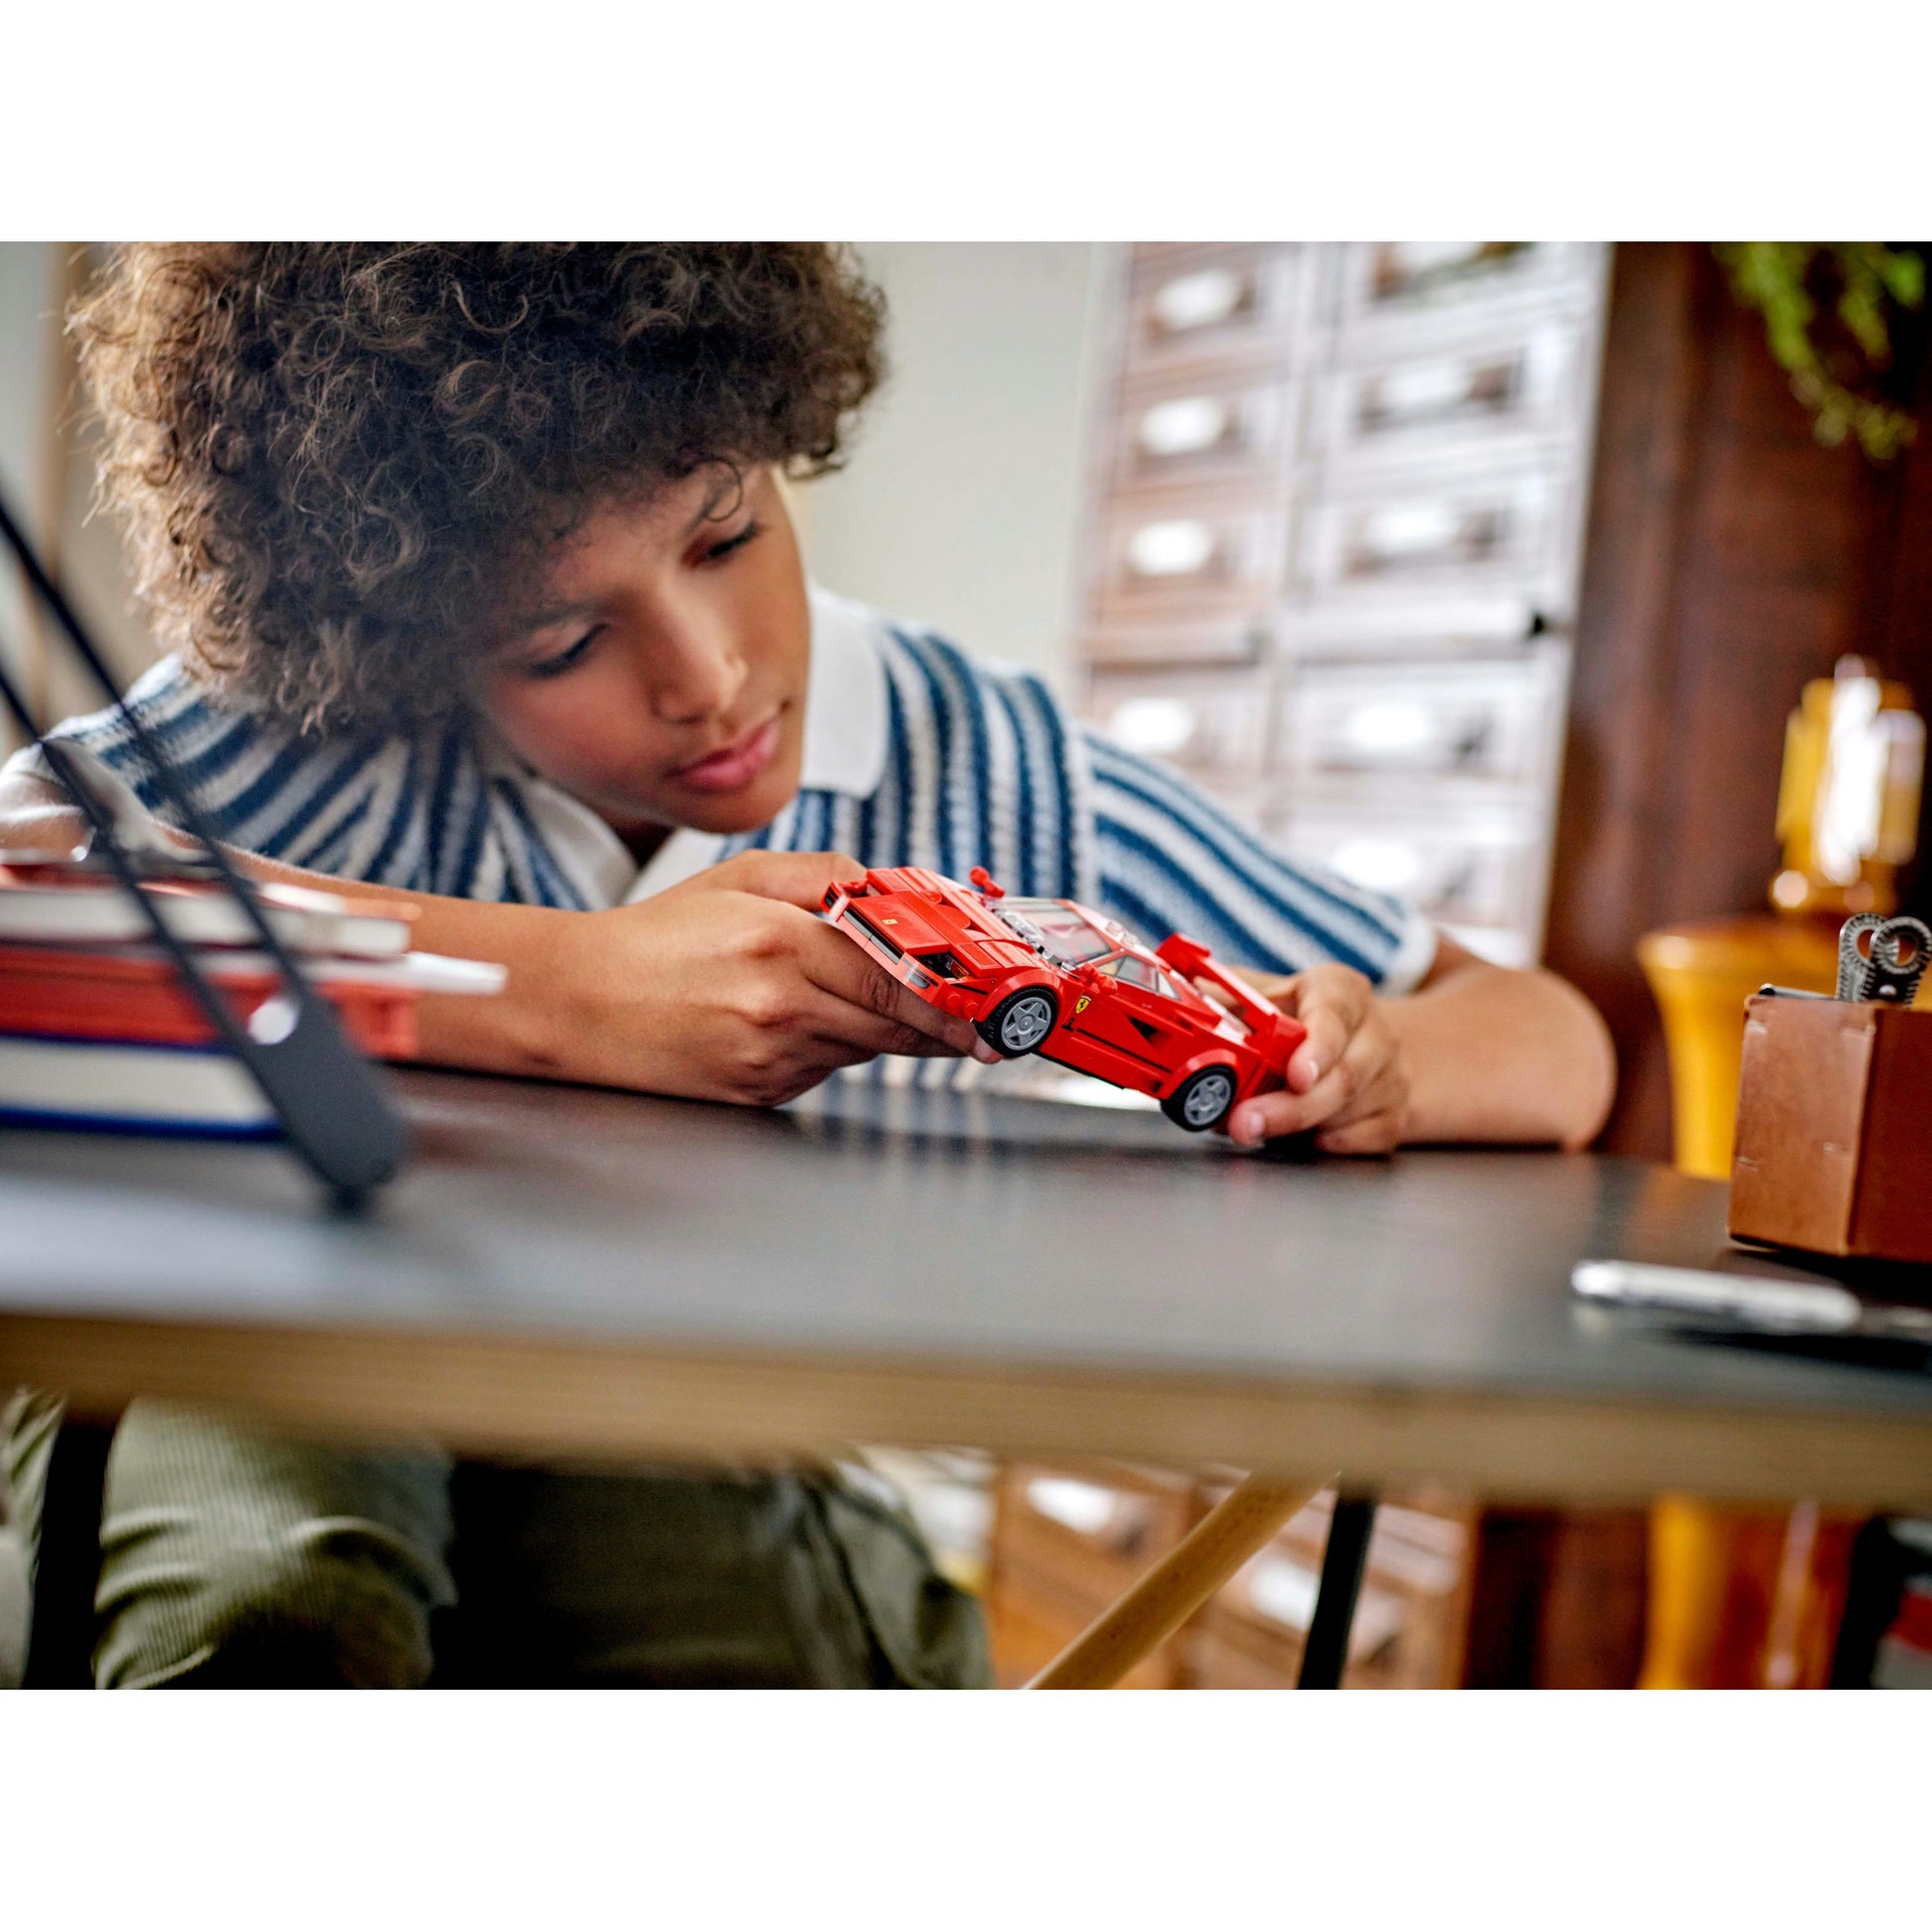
1012	1027
1202	1100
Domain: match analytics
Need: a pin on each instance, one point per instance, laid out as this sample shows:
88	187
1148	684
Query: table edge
589	1400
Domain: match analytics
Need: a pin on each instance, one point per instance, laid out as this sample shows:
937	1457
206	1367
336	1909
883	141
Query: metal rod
1324	1657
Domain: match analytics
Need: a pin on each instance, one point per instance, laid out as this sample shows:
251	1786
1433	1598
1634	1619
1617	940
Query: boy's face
663	682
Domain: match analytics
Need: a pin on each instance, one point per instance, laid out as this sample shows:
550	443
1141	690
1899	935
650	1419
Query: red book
117	997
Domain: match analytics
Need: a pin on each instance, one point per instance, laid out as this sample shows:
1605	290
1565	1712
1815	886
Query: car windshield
1069	937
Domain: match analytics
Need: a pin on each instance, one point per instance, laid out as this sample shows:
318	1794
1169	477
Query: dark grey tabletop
912	1225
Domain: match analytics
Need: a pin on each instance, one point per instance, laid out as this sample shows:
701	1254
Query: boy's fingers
1357	1084
855	1034
797	878
836	965
1265	1119
1332	1003
849	1035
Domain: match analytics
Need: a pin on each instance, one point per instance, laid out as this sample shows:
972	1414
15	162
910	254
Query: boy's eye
564	660
714	553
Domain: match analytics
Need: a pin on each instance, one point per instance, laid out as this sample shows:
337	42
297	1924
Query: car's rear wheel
1202	1100
1021	1022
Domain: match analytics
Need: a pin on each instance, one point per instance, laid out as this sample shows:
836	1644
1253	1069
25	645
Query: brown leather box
1835	1129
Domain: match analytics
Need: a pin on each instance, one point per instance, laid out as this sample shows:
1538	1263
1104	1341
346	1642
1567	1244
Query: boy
486	595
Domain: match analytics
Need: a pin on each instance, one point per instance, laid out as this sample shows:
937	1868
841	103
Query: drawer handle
1082	1507
1381	864
1397	731
1283	1591
1155	726
1435	392
1174	547
1421	534
1184	426
1200	301
1416	269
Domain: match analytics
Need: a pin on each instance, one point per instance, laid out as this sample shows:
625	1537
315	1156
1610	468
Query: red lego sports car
1046	976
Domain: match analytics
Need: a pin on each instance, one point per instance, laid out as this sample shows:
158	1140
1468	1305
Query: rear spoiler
1260	1015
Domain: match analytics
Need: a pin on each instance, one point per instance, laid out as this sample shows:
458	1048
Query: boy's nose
692	678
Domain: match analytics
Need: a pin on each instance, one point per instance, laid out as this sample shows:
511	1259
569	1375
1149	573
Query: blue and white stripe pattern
419	812
983	766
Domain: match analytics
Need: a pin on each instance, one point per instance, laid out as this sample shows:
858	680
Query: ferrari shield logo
1082	1004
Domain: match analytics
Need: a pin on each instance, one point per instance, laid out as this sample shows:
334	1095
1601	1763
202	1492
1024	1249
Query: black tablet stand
326	1096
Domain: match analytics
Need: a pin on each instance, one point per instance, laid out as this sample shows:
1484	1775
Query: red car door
1128	1014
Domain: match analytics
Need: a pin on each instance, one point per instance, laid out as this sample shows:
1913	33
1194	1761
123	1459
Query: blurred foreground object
1741	1598
1848	797
1848	812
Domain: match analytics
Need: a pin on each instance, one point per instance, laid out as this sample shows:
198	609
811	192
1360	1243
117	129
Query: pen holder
1834	1150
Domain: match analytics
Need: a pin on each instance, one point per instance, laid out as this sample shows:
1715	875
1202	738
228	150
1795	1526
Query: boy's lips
734	765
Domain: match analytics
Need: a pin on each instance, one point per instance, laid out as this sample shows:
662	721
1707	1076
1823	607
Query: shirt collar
846	707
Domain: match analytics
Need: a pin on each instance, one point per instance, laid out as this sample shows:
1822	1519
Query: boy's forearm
1500	1055
517	1031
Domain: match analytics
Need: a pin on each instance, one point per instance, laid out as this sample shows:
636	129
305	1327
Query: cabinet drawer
1088	1534
1466	399
1491	721
1468	869
1450	536
1229	640
1228	428
1388	286
1209	304
1189	554
1214	727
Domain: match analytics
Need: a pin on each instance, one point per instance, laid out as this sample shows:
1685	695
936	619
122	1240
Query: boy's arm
1476	1053
726	986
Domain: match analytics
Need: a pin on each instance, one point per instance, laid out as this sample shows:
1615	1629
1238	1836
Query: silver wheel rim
1207	1099
1027	1022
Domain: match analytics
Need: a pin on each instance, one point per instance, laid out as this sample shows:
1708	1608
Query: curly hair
338	463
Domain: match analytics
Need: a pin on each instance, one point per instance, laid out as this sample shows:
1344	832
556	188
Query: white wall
36	393
26	291
960	506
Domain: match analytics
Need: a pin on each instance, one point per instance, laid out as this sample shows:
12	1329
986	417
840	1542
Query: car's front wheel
1202	1100
1021	1022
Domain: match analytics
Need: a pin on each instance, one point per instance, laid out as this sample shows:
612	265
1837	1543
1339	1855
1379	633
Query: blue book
129	1087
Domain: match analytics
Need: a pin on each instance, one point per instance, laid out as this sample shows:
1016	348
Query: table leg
1177	1585
61	1640
1326	1655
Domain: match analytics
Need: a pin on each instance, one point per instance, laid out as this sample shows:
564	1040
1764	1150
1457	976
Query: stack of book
98	1031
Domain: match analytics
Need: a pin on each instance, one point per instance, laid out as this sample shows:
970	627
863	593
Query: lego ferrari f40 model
1049	977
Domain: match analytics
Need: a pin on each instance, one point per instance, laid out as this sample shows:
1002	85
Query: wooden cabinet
1333	544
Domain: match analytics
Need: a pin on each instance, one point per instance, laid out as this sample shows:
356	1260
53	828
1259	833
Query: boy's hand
1347	1081
728	986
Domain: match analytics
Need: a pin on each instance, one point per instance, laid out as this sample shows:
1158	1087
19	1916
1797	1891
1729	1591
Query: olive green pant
230	1556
